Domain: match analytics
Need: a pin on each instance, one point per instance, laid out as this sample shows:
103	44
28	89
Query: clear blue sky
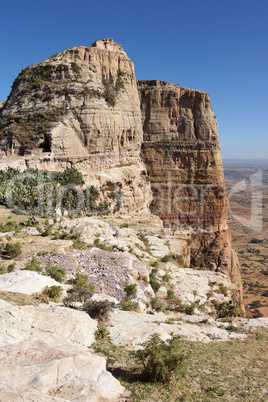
217	46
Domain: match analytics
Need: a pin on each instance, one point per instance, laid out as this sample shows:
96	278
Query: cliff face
182	154
81	108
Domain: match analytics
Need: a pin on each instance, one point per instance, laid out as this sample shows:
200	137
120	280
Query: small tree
161	361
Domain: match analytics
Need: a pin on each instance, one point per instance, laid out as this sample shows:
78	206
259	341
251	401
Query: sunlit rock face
182	155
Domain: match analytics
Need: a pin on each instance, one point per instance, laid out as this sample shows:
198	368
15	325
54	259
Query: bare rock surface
44	356
27	282
192	284
130	329
38	370
57	325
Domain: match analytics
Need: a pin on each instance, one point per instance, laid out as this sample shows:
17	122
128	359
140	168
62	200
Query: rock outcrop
83	108
44	356
182	154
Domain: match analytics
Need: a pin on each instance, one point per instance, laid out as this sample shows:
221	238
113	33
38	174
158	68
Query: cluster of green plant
102	333
11	250
153	280
256	241
39	192
98	310
81	292
10	226
161	361
31	222
75	68
112	88
174	258
33	265
128	304
51	293
226	309
143	238
174	303
56	273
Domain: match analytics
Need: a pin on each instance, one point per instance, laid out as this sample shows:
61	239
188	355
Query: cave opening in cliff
45	144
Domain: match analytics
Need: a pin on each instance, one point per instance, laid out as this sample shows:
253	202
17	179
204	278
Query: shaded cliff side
181	152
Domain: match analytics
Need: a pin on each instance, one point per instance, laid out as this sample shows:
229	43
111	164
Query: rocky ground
46	350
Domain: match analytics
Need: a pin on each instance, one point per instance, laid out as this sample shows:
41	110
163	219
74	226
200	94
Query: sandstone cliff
182	154
80	108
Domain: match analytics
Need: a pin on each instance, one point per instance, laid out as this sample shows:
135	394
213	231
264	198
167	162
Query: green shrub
56	273
47	231
33	265
30	222
53	293
11	267
161	361
81	292
129	305
102	333
98	309
12	250
153	280
156	304
231	328
2	270
130	290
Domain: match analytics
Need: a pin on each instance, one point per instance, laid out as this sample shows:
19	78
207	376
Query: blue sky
220	47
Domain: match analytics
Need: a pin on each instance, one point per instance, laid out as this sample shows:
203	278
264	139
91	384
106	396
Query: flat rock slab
54	324
26	282
130	329
256	323
37	371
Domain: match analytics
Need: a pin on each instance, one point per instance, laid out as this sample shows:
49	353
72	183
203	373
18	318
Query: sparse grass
222	371
20	299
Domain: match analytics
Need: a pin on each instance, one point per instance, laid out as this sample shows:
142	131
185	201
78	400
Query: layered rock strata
181	152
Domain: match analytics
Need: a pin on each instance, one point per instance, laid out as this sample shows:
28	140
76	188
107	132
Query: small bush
231	328
2	270
102	333
56	273
130	290
161	361
156	304
99	309
11	267
53	293
12	250
33	265
30	222
153	280
129	305
81	292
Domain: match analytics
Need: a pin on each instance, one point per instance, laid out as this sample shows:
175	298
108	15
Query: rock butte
156	141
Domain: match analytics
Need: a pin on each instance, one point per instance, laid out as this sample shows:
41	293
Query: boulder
27	282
